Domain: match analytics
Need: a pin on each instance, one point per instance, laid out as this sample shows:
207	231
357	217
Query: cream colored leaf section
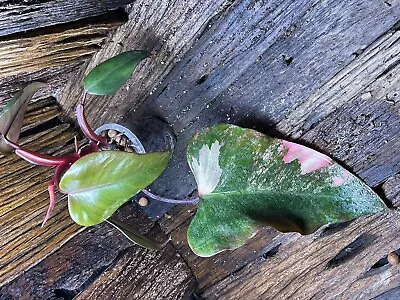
206	169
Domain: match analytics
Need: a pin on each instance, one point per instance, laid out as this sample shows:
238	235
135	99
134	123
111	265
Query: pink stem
40	159
50	189
86	129
54	183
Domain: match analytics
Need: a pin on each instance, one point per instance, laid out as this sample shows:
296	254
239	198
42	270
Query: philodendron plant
246	180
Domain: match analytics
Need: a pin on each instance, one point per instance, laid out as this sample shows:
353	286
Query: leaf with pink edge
247	180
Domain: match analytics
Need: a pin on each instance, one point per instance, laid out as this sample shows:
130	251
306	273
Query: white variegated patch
206	170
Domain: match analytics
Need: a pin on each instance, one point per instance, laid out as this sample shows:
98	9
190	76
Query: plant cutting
246	180
97	182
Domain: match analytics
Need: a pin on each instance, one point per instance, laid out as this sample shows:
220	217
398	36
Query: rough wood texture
24	198
252	65
165	28
143	274
209	271
55	46
391	189
71	269
334	265
323	71
362	104
20	16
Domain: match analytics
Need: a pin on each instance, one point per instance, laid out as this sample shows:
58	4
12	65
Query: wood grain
325	72
55	46
391	188
79	262
239	75
143	274
336	265
209	271
255	65
24	198
165	28
20	16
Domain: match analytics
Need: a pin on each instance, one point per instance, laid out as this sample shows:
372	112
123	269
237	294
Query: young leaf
97	184
135	236
12	115
247	180
109	76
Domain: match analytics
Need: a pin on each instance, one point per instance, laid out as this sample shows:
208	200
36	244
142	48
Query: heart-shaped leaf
97	184
247	180
12	115
107	77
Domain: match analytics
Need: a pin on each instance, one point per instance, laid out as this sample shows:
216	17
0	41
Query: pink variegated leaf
247	180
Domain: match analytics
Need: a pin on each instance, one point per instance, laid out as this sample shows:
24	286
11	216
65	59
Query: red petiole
62	163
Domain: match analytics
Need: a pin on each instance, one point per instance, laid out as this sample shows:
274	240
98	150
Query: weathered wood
252	65
167	29
209	271
72	268
367	123
237	72
24	199
54	46
20	16
143	274
332	265
391	189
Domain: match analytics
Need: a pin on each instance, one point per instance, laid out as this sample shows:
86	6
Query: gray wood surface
324	73
20	16
334	265
261	65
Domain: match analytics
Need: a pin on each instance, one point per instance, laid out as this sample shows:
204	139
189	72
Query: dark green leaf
12	115
99	183
135	236
109	76
247	180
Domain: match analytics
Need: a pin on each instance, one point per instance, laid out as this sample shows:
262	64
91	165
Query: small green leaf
97	184
135	236
247	180
12	115
107	77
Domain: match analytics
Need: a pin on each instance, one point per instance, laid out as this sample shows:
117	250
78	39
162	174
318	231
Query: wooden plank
165	28
209	271
268	90
55	77
391	188
238	74
371	74
20	16
24	199
362	104
143	274
252	67
54	46
328	265
79	262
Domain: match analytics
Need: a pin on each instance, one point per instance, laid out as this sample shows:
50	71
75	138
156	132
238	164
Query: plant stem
84	125
41	159
189	200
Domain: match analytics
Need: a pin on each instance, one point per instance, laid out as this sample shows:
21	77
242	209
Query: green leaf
97	184
135	236
12	115
247	180
107	77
